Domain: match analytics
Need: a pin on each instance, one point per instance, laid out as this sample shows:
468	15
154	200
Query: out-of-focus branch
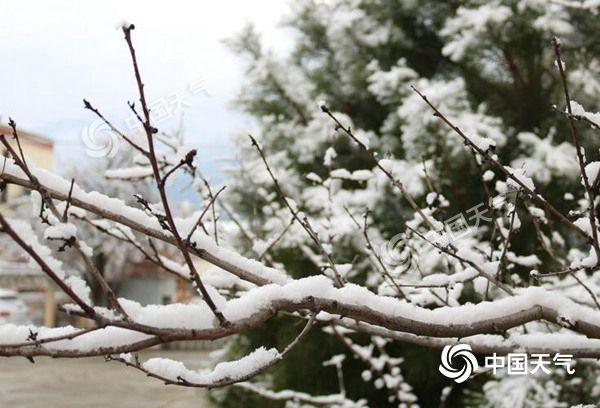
304	222
492	159
578	148
6	228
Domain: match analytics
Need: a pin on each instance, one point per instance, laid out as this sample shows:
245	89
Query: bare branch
304	221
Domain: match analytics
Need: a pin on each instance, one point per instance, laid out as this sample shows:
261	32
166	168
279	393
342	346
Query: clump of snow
221	279
590	261
465	29
538	213
336	360
314	178
361	175
431	197
520	175
385	85
85	248
341	173
80	288
60	231
176	315
578	110
130	173
357	175
545	159
330	155
488	175
362	137
95	340
528	260
29	237
226	371
127	357
584	224
591	171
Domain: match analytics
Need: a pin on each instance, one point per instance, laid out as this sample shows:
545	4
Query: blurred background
67	51
61	52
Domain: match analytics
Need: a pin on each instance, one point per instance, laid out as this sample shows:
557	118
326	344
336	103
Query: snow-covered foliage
467	196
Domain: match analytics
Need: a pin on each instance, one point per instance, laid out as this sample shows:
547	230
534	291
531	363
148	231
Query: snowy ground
94	383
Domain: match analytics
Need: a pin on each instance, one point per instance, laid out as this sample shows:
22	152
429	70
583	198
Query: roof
27	136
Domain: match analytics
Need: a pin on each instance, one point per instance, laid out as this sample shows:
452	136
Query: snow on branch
419	301
333	400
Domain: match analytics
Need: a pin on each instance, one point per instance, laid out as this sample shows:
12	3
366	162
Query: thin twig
65	216
150	132
513	216
87	105
199	220
478	268
303	222
578	148
382	267
7	228
485	153
397	183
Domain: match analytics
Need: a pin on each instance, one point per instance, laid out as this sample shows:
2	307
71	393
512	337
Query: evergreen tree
487	65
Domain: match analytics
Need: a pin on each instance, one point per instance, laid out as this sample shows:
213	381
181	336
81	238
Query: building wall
36	293
148	290
38	151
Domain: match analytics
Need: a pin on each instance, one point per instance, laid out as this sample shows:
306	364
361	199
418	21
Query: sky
57	53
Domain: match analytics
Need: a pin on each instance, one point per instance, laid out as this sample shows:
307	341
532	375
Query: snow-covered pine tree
488	65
